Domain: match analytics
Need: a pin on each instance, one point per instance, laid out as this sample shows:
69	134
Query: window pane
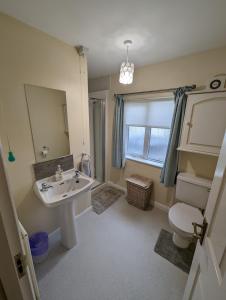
158	144
135	142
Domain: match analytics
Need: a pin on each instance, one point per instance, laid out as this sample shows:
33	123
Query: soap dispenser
59	175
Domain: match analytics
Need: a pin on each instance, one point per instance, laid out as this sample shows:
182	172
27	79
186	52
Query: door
204	123
15	280
207	277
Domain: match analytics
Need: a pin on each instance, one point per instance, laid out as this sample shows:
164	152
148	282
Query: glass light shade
126	73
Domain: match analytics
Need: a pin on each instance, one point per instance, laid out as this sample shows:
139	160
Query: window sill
144	161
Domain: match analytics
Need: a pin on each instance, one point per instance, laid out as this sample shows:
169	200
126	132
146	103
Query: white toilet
191	198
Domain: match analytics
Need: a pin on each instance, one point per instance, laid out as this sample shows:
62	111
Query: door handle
200	230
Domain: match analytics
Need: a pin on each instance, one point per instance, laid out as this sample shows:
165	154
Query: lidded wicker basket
139	191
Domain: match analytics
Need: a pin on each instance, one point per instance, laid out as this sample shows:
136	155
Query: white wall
29	56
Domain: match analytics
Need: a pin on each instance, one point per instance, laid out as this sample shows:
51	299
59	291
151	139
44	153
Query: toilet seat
181	217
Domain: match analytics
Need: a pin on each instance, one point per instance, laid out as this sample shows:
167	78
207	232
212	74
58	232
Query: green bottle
11	156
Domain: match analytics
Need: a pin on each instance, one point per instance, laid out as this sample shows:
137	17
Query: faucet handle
45	187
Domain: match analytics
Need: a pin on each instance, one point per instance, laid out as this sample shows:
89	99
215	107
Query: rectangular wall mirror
48	120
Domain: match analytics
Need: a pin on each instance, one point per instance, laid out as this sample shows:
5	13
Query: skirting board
155	203
84	212
117	186
97	188
161	206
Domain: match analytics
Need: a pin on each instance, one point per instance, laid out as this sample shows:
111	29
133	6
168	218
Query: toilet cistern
192	193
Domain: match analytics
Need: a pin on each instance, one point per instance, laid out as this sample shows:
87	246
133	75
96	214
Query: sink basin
63	194
60	192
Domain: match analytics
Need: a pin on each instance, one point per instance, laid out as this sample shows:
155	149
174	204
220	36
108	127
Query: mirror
47	110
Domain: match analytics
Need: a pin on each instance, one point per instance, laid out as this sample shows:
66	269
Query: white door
207	277
15	280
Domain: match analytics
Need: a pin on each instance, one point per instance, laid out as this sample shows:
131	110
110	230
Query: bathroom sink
63	194
60	192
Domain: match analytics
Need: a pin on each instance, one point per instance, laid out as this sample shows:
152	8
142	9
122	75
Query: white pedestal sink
63	194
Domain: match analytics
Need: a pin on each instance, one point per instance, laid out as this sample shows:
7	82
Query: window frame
146	147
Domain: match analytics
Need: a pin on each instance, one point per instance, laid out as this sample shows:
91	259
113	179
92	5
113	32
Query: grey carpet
104	198
182	258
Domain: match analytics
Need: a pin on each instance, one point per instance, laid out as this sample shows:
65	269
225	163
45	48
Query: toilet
191	198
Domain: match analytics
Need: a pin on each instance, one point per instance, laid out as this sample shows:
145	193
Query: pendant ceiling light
127	68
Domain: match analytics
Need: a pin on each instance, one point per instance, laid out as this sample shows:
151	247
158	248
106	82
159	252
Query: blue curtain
169	170
118	126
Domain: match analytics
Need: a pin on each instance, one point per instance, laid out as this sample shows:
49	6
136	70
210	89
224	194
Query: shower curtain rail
93	99
193	86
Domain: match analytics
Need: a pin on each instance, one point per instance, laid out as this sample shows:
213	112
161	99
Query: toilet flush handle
200	230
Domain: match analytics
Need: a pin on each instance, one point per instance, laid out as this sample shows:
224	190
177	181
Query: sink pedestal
63	194
67	225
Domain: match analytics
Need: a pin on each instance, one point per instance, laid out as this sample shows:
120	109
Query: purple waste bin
39	244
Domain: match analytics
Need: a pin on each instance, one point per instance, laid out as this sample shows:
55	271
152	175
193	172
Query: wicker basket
139	191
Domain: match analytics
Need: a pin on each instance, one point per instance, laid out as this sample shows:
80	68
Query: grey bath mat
182	258
104	198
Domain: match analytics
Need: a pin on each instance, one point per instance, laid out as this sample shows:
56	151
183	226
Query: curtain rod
193	86
93	99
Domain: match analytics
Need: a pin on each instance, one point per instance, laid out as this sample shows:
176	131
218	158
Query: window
147	126
136	137
159	138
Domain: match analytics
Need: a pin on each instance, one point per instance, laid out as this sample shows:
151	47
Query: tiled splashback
48	168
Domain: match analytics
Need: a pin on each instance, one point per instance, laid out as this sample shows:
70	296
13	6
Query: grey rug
182	258
104	198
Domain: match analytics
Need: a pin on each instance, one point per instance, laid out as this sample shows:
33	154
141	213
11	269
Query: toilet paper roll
44	152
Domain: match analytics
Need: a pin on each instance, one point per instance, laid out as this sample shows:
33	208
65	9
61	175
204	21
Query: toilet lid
182	216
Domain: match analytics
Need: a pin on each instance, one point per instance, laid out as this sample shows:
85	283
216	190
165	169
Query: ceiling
160	29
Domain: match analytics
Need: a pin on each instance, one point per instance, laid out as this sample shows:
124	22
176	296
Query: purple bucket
39	244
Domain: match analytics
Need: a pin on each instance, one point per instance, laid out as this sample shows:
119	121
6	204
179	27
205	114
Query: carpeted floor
114	260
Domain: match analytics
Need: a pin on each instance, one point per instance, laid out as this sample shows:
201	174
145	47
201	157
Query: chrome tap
76	176
45	187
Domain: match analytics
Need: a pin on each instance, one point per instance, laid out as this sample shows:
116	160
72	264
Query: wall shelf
197	152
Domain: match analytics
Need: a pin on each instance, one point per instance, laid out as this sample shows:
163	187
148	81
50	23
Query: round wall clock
215	84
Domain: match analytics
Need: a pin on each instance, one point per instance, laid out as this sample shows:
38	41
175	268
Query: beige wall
193	69
99	84
33	57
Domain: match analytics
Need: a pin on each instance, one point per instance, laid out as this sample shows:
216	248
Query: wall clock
217	83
